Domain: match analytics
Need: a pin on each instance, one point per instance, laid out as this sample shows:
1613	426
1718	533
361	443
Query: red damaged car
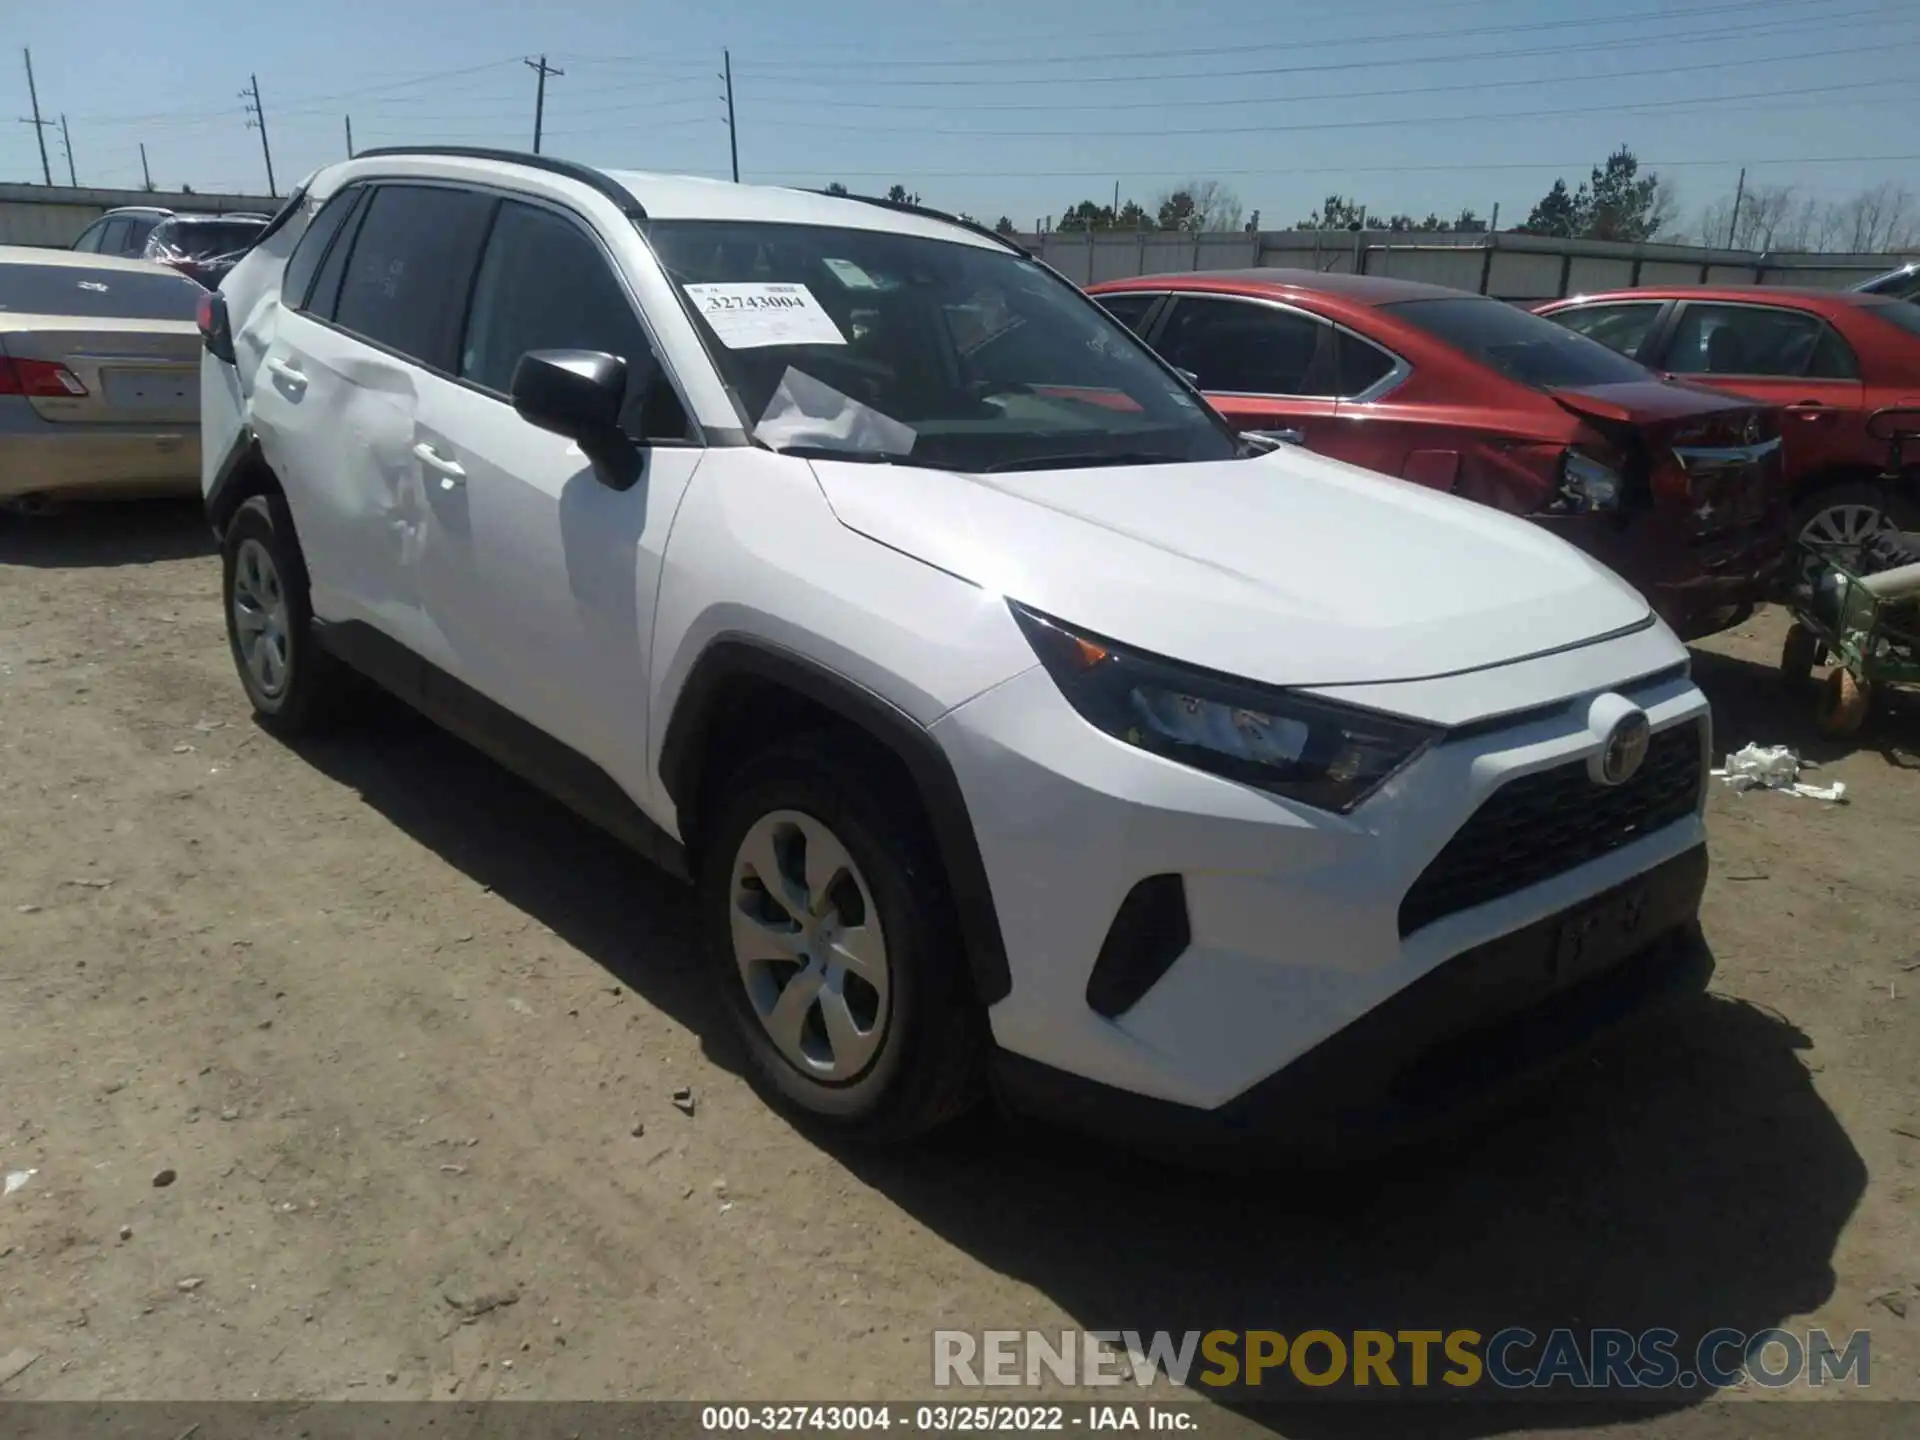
1678	489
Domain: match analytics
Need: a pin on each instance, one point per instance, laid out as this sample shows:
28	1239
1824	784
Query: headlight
1586	484
1321	754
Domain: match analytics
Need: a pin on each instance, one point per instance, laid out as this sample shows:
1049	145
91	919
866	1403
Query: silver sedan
99	378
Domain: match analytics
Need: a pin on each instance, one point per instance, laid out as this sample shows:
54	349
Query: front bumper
1431	1058
1293	916
1695	580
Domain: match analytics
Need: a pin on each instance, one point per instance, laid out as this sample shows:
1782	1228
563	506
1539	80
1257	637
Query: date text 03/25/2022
946	1419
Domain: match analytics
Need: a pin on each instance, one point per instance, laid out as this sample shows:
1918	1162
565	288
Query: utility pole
1115	212
349	120
145	174
541	68
257	120
66	144
1739	194
733	135
39	125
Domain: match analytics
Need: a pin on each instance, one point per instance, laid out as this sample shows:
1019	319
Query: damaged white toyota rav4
1024	729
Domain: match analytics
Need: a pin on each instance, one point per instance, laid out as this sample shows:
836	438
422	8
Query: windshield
878	345
1520	345
206	239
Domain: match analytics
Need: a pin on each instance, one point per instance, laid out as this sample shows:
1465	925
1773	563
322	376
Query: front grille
1546	823
1730	487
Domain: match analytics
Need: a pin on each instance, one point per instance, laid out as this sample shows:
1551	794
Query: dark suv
201	247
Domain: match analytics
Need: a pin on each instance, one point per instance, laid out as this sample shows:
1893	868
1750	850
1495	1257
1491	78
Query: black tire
929	1064
308	695
1798	656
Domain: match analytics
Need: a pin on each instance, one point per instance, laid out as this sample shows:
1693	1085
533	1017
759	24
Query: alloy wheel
809	947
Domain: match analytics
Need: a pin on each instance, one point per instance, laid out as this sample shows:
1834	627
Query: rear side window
86	293
1757	340
113	240
333	269
1244	348
305	260
412	262
1521	346
89	240
1618	327
1129	310
1362	364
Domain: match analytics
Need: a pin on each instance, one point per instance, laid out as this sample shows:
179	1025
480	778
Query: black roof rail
596	180
907	207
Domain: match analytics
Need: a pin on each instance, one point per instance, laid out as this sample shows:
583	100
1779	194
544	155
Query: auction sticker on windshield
747	316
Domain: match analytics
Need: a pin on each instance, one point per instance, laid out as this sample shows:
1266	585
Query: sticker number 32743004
745	316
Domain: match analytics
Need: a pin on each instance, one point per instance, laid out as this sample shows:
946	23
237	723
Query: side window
1362	364
1618	327
139	232
1750	340
545	285
1129	310
307	255
113	240
89	240
406	281
325	295
1833	358
1240	347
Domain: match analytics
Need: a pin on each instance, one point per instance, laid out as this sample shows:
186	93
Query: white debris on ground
1774	767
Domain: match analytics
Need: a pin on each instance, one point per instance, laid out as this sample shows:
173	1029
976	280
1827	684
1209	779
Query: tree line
1616	201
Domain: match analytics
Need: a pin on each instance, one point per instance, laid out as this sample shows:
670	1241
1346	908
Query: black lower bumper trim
1431	1056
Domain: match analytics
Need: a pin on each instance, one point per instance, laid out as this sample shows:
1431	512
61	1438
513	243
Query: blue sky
997	107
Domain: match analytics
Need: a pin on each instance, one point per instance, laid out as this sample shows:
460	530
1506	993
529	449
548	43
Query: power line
1396	90
1719	34
1370	124
1001	62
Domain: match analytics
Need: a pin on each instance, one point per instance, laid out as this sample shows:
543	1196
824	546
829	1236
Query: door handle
281	370
1809	409
450	472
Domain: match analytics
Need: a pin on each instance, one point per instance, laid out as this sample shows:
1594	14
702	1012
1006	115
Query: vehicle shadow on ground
1684	1176
132	532
1752	704
531	851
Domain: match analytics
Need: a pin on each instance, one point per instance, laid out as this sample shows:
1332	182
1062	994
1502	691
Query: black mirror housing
580	394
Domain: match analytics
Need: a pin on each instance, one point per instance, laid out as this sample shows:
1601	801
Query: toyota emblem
1625	749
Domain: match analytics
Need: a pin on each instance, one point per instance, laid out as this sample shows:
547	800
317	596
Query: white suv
1022	726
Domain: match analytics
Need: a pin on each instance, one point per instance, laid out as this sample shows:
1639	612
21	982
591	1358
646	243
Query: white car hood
1290	568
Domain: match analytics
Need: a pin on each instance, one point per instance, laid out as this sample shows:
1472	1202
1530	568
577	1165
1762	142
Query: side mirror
580	394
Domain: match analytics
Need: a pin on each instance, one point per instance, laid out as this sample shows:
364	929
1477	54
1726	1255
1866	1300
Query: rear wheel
1845	519
830	932
293	685
1799	655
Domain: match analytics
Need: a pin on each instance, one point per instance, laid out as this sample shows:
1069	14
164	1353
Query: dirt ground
407	1036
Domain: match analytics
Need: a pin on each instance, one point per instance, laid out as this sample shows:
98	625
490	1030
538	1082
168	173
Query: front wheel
829	928
1844	701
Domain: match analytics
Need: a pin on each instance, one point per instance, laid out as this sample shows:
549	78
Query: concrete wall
55	215
1511	267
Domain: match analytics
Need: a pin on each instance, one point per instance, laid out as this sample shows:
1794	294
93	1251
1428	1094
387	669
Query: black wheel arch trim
733	656
222	498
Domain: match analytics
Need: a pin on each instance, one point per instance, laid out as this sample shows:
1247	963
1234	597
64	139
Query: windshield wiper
853	457
1081	459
